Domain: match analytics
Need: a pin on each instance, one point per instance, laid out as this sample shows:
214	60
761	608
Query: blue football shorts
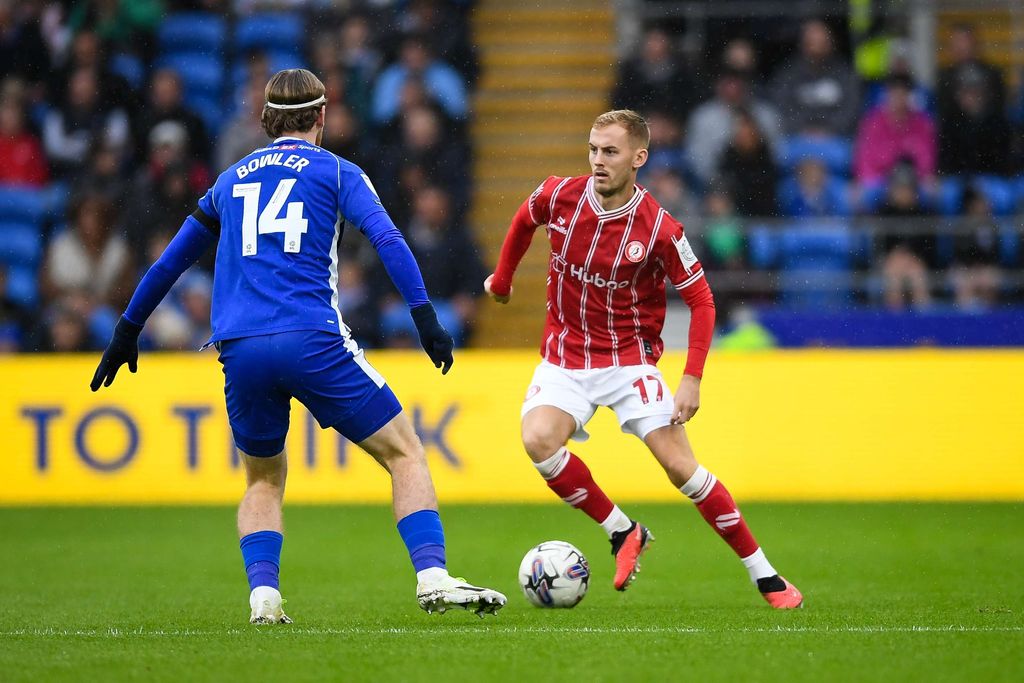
340	388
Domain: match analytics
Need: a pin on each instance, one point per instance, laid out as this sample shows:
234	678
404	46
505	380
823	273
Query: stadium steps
547	70
513	103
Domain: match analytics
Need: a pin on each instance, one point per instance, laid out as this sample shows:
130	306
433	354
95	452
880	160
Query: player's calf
719	510
569	477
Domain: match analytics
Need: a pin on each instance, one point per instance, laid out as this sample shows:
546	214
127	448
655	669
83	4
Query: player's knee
680	469
267	478
541	443
401	450
266	471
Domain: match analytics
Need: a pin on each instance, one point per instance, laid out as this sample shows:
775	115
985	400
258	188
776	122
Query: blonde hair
634	123
291	86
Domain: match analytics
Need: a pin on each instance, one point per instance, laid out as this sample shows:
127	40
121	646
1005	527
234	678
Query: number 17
642	388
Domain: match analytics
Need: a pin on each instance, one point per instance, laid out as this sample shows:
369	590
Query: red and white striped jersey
606	274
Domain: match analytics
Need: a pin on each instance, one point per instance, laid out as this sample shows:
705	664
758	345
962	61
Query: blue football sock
261	553
424	538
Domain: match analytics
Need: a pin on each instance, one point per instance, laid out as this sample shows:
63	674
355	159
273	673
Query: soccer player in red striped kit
612	247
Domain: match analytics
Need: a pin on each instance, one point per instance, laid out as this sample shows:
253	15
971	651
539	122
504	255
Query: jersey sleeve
539	203
357	197
536	210
208	206
686	274
677	258
360	205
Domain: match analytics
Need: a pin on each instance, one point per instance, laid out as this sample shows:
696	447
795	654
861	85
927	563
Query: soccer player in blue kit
276	216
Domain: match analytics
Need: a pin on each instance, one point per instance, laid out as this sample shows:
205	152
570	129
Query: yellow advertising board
781	425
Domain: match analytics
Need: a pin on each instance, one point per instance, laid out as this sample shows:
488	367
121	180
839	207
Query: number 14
293	225
642	388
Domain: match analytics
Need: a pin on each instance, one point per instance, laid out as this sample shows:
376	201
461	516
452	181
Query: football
554	574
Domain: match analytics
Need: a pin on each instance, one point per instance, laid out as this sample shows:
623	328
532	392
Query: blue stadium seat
193	32
1018	191
278	62
38	112
817	243
272	31
950	196
921	98
816	288
20	243
762	247
836	153
871	198
130	68
207	107
285	59
199	73
836	201
1009	246
1000	193
22	204
56	196
23	284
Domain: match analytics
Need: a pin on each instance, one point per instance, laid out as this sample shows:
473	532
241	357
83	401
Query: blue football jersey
281	211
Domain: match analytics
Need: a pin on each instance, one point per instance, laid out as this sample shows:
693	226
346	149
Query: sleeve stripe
690	280
208	222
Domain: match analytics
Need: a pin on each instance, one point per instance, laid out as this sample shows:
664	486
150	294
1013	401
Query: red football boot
627	547
787	598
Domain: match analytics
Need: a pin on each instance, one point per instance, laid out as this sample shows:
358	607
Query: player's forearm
702	326
185	249
516	243
397	258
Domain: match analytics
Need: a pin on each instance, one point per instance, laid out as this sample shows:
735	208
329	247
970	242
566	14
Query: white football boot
266	605
437	591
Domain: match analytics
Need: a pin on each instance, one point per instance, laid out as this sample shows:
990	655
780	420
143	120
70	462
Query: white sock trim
616	521
699	485
553	466
758	566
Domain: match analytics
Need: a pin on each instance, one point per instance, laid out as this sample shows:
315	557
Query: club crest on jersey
635	251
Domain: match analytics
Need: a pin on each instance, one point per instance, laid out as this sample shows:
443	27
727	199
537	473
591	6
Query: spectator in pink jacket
892	132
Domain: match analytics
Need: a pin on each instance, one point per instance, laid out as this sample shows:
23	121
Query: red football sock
719	510
570	478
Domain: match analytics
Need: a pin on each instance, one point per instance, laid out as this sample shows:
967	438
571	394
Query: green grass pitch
927	592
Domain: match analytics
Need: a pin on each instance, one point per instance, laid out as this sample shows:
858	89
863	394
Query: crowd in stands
846	187
827	178
117	115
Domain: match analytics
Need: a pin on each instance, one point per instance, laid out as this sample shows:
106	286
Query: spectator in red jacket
24	162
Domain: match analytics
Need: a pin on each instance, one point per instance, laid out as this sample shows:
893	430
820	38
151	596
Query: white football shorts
637	393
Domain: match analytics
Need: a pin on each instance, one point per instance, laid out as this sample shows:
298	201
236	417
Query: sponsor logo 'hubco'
561	266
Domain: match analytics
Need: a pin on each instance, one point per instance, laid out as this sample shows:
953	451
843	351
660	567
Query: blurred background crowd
781	151
812	172
115	117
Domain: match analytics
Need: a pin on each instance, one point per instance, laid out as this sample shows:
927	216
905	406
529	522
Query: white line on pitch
355	631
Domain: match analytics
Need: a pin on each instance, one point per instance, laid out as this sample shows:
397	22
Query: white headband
319	100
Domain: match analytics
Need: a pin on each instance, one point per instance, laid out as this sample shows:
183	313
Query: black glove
123	348
433	337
